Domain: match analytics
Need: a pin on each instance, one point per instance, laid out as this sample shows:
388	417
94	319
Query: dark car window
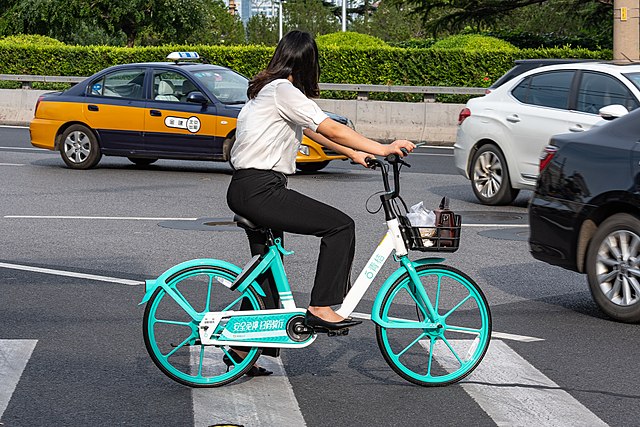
549	89
171	86
599	90
120	84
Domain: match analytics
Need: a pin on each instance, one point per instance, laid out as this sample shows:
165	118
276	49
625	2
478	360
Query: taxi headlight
304	150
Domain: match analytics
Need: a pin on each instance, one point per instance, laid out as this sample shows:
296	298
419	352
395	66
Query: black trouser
263	198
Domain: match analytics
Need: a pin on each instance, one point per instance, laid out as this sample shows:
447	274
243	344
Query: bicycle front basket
432	239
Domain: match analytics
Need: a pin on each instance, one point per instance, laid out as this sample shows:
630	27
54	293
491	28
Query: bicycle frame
392	241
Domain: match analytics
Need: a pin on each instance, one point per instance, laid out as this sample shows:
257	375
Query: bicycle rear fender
161	281
375	310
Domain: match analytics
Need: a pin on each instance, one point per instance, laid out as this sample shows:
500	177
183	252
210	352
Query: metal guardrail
363	90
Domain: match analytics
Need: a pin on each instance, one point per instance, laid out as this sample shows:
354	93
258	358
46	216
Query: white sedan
501	135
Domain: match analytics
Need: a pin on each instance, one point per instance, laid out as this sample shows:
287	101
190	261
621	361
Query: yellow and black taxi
148	111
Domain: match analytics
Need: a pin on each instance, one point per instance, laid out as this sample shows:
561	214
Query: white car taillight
463	115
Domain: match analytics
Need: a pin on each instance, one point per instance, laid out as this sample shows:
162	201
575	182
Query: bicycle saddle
243	222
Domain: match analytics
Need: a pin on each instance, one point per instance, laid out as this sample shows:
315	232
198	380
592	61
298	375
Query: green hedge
372	65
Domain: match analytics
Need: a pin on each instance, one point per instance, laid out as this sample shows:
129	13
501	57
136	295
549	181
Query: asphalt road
71	346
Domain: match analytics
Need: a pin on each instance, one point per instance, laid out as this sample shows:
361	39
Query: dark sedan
584	215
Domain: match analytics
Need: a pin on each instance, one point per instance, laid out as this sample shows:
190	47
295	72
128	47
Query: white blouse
269	128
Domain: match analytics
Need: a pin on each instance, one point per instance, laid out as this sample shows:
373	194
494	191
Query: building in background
247	8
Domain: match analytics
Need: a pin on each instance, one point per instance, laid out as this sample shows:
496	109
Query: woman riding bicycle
268	134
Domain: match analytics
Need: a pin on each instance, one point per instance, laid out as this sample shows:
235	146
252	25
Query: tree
262	29
390	22
452	15
149	21
311	16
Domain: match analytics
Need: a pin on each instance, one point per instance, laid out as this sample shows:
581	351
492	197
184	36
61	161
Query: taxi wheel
79	147
312	167
139	161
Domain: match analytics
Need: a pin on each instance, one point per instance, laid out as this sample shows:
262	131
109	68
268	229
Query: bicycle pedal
338	333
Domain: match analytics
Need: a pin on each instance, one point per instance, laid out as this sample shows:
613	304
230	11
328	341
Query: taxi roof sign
177	56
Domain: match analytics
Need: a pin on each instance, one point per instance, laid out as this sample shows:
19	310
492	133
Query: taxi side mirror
197	98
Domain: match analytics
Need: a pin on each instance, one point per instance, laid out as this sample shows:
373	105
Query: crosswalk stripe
258	401
14	355
514	393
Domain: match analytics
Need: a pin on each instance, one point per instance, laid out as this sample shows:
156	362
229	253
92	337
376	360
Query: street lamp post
280	20
344	15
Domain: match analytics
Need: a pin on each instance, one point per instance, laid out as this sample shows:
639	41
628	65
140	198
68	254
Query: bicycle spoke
175	289
200	361
172	322
178	347
452	350
456	307
464	329
424	334
432	343
208	303
233	303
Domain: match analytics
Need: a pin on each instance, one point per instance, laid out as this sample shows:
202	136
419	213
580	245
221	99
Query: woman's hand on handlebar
397	146
360	157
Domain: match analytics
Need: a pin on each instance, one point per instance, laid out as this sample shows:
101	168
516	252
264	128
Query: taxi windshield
227	86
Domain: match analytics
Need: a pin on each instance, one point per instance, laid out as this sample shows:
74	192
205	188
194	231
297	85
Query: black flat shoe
255	371
321	325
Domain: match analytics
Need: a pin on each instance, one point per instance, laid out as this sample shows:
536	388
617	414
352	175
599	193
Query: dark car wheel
490	177
613	267
139	161
79	147
312	167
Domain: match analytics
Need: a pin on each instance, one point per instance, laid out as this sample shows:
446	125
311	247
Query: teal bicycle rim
193	372
467	304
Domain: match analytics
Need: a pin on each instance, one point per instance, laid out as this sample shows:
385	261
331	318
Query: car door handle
156	113
513	118
92	107
576	128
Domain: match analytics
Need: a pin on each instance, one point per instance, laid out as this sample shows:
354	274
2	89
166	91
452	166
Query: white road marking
143	218
514	393
14	355
71	274
429	154
24	148
503	335
127	218
496	225
258	401
12	164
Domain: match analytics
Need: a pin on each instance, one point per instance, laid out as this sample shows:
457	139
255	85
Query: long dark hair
297	56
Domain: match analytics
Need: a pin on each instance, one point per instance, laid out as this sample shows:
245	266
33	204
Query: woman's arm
345	136
357	156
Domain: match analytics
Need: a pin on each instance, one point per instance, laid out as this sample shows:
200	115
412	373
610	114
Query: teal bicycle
433	323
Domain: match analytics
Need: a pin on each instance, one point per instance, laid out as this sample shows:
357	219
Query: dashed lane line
71	274
140	218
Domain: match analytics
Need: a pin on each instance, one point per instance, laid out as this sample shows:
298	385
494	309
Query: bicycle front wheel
434	350
171	334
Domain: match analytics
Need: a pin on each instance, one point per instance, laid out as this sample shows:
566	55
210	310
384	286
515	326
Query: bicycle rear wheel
171	335
453	345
